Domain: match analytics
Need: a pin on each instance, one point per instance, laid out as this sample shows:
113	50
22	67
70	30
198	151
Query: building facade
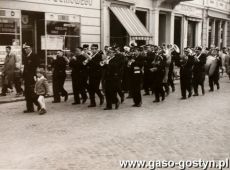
50	25
187	23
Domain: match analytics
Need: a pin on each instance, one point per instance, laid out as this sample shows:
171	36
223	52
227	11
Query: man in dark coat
95	75
147	82
136	65
158	73
214	79
31	63
199	71
186	64
79	76
113	77
59	76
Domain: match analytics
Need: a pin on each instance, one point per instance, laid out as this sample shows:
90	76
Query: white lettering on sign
73	2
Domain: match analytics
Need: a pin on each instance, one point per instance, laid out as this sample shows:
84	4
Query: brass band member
186	64
59	76
79	76
199	71
136	65
95	74
158	70
214	78
113	76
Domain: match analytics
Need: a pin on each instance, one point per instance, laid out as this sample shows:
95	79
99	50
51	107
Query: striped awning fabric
131	23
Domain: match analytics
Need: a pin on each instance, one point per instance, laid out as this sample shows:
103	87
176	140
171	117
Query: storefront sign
52	42
189	11
219	4
74	3
8	25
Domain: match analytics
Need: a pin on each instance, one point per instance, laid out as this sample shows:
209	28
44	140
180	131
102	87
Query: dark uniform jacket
199	67
95	69
186	66
78	68
59	66
114	70
31	63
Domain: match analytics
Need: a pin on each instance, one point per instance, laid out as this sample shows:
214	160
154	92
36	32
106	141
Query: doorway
33	27
191	34
177	31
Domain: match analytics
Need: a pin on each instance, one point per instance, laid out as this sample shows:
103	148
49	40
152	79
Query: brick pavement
78	138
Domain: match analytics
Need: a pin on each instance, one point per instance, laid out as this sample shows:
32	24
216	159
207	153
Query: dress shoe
42	111
183	98
129	97
211	90
66	97
84	100
28	111
117	105
75	103
56	101
108	108
122	99
102	100
190	95
146	94
156	101
163	98
196	94
138	105
3	94
92	105
218	87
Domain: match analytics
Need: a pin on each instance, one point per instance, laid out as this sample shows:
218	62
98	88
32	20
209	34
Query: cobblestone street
78	138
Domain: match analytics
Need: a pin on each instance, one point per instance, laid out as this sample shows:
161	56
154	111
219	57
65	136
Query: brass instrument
90	57
106	61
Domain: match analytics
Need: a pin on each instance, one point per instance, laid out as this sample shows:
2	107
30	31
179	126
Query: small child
41	89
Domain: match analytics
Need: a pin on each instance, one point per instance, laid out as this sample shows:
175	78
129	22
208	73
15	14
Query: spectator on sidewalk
11	73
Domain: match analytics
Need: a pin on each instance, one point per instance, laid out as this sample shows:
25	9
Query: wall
89	10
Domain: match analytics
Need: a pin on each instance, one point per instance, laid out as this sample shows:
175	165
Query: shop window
9	36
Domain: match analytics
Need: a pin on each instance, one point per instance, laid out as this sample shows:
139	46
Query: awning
131	23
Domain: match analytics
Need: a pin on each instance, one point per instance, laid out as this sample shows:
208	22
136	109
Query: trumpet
89	57
106	61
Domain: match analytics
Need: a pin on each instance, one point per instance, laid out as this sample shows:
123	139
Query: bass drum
210	65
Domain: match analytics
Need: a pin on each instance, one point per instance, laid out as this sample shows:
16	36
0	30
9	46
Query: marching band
114	72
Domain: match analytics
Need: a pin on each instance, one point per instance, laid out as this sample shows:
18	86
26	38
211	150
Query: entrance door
177	31
162	29
33	27
191	34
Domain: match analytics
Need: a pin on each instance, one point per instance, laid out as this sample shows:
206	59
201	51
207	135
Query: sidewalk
12	98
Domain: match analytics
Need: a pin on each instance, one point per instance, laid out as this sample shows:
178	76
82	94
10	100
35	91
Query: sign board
72	3
52	42
189	11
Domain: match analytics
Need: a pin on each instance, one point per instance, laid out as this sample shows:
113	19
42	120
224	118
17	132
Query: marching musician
59	76
158	72
126	83
136	64
214	78
186	64
95	75
199	71
113	77
79	76
147	81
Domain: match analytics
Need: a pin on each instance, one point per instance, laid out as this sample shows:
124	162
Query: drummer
214	78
